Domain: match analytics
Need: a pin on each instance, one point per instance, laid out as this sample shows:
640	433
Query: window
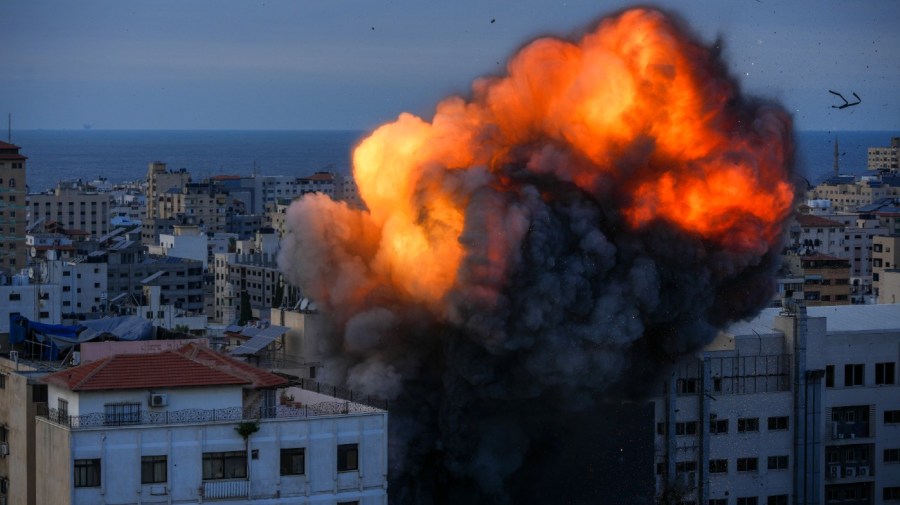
747	500
686	386
829	376
884	373
87	472
778	462
293	461
687	428
2	381
892	455
853	375
718	466
718	426
747	424
718	501
891	493
747	464
891	416
347	457
63	407
153	469
778	423
15	296
354	502
225	465
122	413
778	499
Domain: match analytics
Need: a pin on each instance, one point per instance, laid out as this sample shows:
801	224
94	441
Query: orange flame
636	80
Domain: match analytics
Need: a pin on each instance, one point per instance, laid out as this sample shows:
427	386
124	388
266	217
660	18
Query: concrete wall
53	463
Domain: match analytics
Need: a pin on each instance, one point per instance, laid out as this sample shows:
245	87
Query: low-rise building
193	425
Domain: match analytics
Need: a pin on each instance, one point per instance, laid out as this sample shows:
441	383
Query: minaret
837	169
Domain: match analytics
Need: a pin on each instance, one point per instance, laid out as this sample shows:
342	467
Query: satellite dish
303	304
311	307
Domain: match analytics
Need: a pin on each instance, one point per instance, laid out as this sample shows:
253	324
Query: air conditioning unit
158	400
850	472
863	471
4	449
834	471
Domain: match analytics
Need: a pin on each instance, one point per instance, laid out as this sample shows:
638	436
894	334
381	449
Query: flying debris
846	103
541	249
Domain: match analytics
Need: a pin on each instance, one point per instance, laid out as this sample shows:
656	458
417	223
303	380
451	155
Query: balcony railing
226	488
193	416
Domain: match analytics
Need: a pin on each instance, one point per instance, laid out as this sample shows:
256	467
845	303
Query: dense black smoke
561	311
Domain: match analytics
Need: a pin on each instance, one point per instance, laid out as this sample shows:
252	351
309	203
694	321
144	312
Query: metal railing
193	416
226	488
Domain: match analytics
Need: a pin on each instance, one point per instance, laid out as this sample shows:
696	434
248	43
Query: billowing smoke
552	241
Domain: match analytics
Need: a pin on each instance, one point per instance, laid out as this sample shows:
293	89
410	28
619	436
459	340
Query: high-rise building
794	406
13	213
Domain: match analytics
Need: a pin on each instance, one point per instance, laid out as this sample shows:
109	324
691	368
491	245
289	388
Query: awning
260	340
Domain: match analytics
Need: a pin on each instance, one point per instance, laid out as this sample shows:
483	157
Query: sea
123	155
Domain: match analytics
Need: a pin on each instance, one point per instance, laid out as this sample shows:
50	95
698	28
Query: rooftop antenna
836	158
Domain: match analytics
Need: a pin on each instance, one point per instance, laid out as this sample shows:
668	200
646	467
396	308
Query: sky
354	64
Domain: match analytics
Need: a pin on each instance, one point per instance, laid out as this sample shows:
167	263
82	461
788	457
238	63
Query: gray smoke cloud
559	304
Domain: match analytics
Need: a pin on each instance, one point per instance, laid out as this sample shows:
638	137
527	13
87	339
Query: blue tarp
55	337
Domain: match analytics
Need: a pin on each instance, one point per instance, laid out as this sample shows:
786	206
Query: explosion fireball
556	238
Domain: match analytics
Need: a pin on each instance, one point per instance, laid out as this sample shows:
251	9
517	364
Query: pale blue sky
300	64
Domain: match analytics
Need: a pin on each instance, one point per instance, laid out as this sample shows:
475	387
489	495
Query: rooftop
808	220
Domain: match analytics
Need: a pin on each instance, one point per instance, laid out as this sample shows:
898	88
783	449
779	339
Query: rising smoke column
557	238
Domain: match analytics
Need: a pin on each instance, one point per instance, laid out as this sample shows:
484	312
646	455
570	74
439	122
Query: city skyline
354	65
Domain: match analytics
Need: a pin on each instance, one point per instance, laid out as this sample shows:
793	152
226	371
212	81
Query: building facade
73	206
13	209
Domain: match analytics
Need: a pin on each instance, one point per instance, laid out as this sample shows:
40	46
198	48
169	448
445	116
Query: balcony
232	488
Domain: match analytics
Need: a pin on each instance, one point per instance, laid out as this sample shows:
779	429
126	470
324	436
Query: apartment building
847	193
826	279
192	425
885	264
73	205
13	209
795	406
885	158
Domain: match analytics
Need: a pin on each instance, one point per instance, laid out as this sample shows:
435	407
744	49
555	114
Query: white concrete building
787	408
187	242
40	303
82	283
194	426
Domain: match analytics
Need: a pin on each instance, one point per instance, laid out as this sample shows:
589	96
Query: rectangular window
293	461
2	381
778	423
153	469
718	501
853	375
778	499
225	465
347	457
892	455
747	500
891	493
718	426
63	407
778	462
748	424
686	428
829	376
686	386
747	464
122	413
884	373
892	417
87	472
15	296
718	466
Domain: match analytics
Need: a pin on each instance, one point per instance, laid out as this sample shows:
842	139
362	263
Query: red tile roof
817	221
190	366
10	152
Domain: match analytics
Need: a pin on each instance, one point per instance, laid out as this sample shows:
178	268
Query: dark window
778	499
892	455
778	462
891	493
718	426
718	501
122	413
884	373
87	472
747	464
778	423
354	502
747	500
687	428
891	416
829	376
686	386
718	466
747	424
293	461
153	469
347	457
853	375
225	465
63	407
2	381
15	296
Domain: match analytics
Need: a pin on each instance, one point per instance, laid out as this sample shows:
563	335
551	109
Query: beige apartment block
13	209
885	258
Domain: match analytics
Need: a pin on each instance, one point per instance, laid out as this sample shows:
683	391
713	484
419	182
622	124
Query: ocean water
123	155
